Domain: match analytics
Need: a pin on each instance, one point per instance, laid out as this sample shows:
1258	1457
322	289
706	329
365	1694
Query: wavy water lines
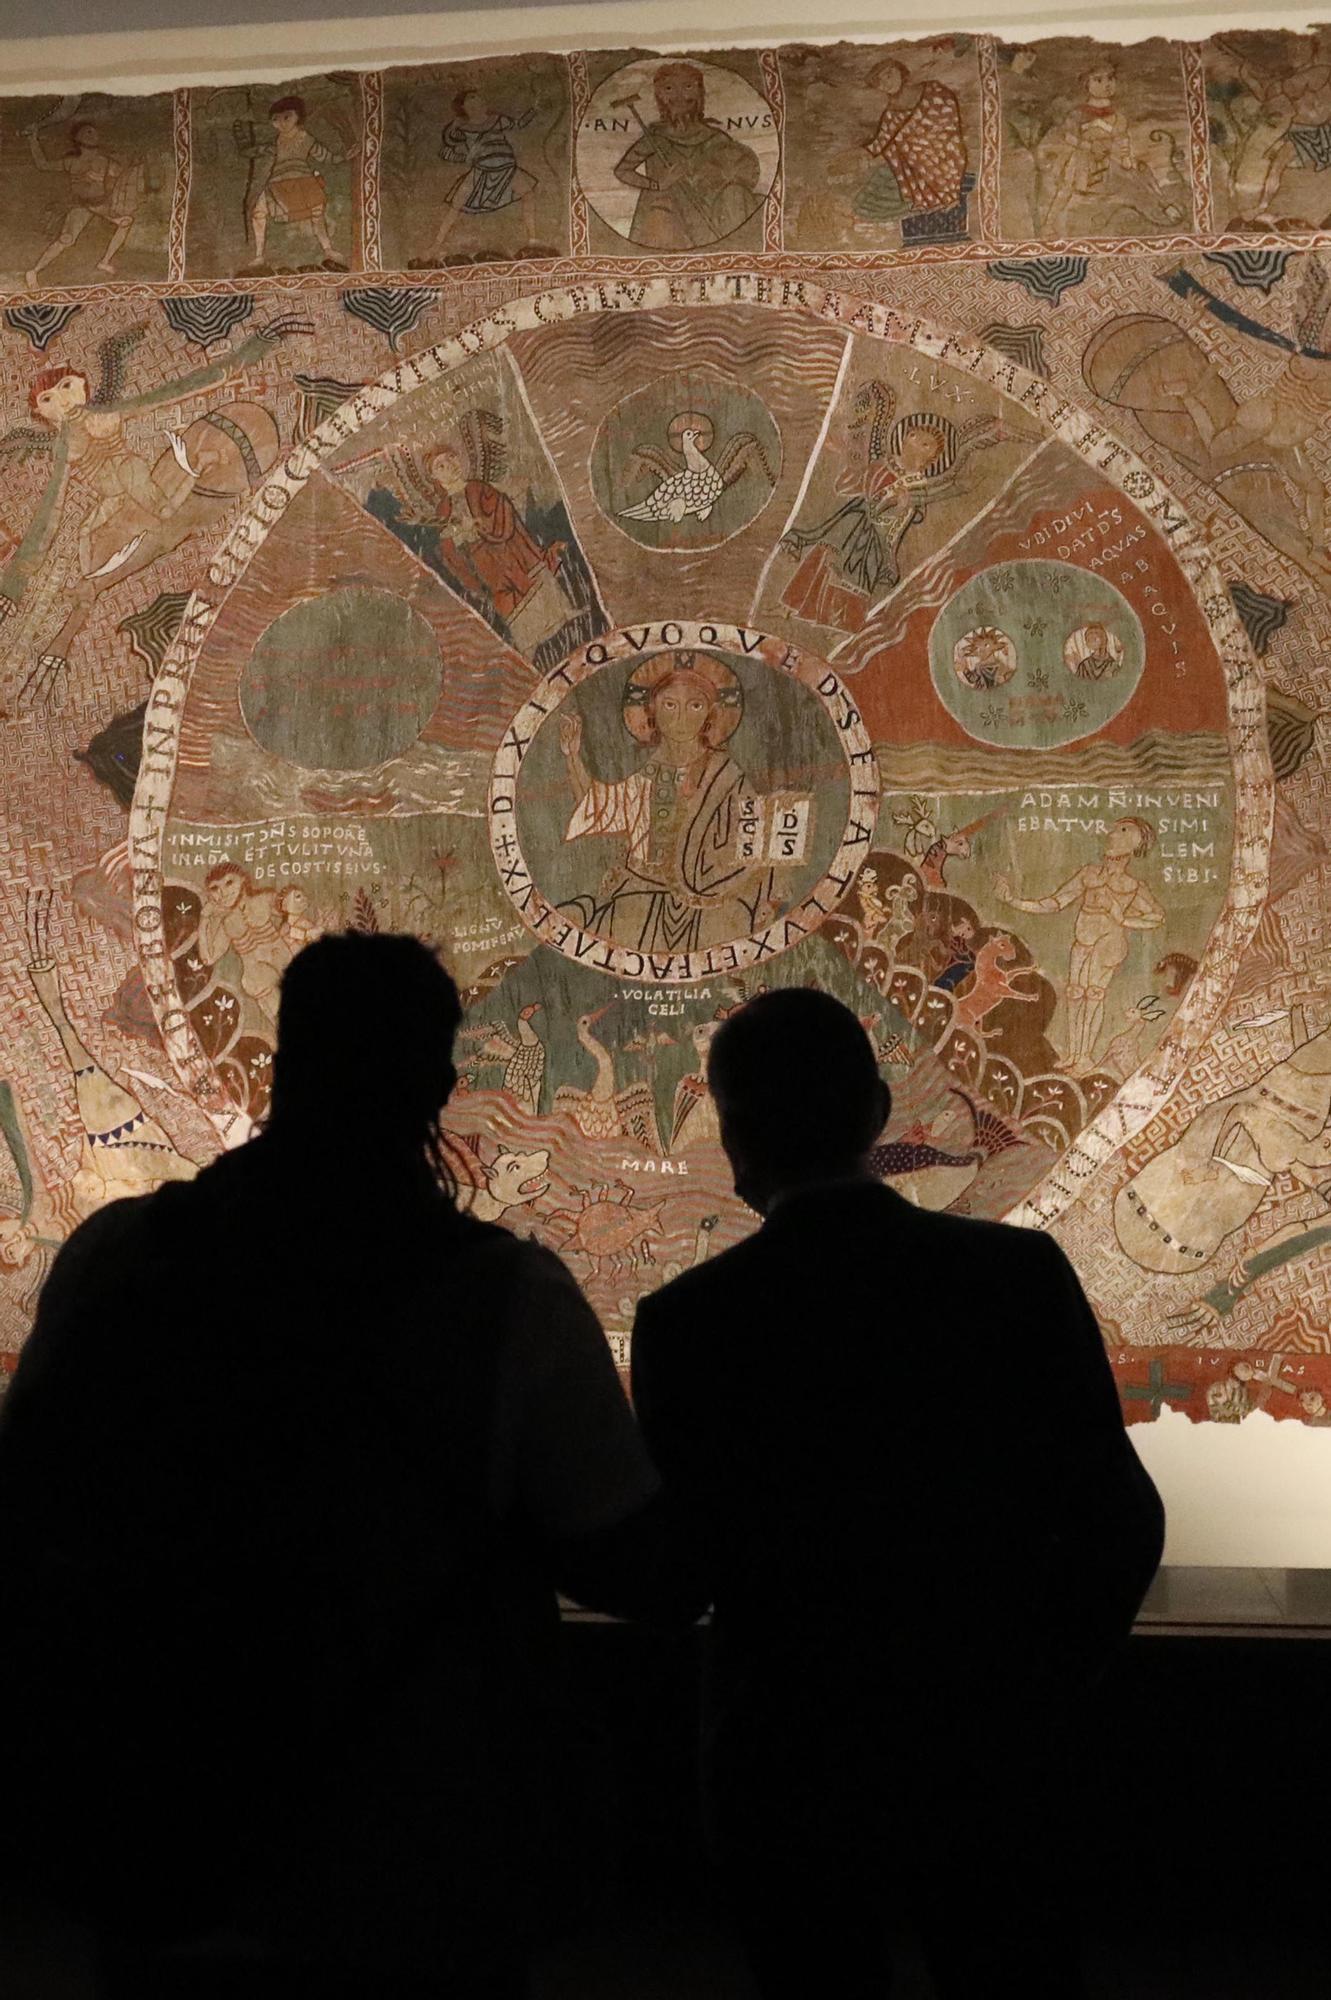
807	475
1177	765
247	785
455	598
543	446
792	367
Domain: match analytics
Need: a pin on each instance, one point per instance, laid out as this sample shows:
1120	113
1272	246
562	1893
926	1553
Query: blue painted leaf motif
208	318
390	309
1262	616
41	323
320	396
151	630
1023	344
1044	277
1259	270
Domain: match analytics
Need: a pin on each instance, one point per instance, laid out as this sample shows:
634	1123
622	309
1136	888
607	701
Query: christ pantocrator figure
694	870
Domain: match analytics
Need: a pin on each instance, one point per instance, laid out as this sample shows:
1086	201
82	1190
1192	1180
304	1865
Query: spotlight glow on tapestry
664	529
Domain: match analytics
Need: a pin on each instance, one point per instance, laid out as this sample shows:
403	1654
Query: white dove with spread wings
695	486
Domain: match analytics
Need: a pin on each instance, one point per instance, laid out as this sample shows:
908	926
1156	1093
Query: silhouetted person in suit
897	1440
291	1466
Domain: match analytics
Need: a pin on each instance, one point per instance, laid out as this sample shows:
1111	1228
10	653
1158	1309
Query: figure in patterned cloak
476	139
695	184
293	190
918	150
853	556
1111	902
685	880
132	513
103	185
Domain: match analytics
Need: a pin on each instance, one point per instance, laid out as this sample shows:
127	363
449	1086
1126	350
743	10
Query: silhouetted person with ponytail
898	1444
292	1466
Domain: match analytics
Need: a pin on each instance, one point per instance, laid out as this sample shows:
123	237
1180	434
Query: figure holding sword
695	184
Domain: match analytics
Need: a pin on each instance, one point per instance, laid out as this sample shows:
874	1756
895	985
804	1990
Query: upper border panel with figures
849	155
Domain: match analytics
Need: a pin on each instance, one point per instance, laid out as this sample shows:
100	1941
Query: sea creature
608	1227
509	1180
934	1176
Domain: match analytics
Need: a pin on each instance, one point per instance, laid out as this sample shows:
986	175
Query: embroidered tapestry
661	528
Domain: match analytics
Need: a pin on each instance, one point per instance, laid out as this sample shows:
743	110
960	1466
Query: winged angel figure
691	480
463	520
106	512
904	466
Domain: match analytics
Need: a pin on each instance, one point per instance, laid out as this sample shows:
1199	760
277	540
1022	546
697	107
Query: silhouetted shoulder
977	1240
837	1235
80	1312
690	1294
518	1259
106	1228
108	1235
567	1454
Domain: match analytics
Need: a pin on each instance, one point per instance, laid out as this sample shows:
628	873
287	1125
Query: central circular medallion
682	799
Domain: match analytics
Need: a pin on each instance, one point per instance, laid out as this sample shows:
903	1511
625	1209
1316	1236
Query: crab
607	1227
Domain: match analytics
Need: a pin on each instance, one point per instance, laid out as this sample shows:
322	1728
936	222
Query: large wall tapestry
664	528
